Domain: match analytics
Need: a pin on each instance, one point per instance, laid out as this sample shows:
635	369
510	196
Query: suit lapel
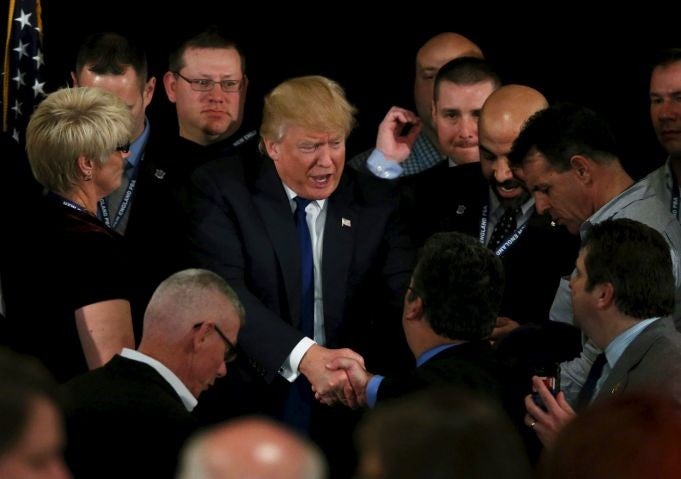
619	376
275	211
342	221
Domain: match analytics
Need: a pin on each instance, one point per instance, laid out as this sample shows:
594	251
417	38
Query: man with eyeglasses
207	82
134	413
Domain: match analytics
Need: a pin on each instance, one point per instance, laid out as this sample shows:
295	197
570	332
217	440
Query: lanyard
484	221
66	202
122	209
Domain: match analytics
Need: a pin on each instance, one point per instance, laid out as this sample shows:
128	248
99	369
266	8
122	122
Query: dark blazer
651	363
452	199
470	365
157	225
243	228
124	420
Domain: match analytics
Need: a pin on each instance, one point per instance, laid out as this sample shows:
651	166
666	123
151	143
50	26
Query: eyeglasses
123	148
205	84
230	351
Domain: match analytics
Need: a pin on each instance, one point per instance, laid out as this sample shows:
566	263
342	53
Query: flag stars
21	49
17	108
23	19
38	88
39	61
19	79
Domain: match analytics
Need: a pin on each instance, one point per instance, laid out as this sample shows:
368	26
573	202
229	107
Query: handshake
336	376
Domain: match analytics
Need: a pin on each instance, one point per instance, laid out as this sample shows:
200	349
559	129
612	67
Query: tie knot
511	212
301	203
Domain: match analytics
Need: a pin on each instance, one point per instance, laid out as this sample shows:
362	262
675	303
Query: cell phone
550	376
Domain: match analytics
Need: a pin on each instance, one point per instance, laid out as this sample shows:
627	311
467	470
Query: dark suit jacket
470	365
124	420
452	199
243	229
651	363
157	225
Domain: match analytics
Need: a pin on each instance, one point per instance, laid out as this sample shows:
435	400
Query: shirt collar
495	204
188	399
137	146
429	353
617	346
292	194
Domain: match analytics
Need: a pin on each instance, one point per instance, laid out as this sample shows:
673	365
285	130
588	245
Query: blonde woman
68	304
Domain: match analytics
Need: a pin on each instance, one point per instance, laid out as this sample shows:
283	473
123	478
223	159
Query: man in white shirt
135	412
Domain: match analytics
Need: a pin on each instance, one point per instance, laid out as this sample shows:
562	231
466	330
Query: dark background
568	53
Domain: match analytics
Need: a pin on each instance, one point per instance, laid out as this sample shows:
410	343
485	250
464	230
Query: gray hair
182	293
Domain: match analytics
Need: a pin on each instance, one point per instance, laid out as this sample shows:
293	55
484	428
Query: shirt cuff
382	167
372	389
289	370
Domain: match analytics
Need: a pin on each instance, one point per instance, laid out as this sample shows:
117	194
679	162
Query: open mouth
320	180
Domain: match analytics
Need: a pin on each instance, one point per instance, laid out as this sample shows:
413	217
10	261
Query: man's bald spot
509	107
260	448
444	47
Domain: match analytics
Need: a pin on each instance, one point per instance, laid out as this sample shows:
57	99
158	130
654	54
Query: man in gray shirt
567	157
665	114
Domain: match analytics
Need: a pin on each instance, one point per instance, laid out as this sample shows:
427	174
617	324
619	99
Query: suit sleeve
216	243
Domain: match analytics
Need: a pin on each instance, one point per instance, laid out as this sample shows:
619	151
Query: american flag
24	69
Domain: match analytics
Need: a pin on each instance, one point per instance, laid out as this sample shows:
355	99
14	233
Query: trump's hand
391	141
330	386
358	378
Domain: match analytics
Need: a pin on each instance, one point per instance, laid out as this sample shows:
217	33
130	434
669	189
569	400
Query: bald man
251	447
484	200
134	413
438	50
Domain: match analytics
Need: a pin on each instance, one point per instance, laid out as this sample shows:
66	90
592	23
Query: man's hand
503	327
391	141
547	424
329	386
358	378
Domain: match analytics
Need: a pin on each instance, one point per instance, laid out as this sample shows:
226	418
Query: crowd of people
487	277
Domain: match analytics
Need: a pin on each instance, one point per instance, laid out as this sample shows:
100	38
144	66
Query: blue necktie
589	387
297	410
504	228
306	324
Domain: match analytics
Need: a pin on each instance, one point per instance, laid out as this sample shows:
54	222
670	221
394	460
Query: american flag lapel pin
345	222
